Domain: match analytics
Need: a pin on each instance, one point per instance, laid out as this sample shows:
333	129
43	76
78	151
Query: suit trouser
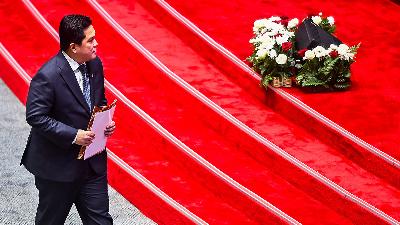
90	197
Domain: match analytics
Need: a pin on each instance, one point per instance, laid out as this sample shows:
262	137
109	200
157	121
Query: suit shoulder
48	70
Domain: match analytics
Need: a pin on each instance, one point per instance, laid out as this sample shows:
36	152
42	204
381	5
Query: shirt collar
72	63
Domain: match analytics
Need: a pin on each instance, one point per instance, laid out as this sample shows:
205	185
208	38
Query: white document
100	122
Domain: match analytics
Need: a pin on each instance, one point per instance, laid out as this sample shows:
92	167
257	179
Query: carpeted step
366	72
145	194
180	185
194	125
165	86
365	155
135	190
178	182
138	129
303	145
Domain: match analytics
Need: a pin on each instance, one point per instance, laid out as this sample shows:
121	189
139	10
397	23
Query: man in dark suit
60	99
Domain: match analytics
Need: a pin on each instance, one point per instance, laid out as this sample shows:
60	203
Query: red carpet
197	126
370	108
200	128
152	157
206	78
355	149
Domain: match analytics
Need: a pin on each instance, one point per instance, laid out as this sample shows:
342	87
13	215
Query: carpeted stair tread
166	175
215	85
163	108
375	89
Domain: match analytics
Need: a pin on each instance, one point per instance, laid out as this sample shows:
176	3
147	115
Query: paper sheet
101	120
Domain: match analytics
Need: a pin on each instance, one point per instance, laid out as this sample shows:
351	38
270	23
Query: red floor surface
208	134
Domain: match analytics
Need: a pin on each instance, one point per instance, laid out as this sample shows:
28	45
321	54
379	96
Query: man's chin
94	55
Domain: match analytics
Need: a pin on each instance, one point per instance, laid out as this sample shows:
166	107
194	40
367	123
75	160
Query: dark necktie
86	86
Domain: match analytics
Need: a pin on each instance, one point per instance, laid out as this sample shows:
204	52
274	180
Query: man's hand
110	129
84	138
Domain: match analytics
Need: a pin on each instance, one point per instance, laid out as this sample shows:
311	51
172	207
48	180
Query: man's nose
95	43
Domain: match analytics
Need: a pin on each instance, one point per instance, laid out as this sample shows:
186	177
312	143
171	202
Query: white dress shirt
74	66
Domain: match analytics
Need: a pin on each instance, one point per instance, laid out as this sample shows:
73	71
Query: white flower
261	53
258	24
331	20
293	23
282	39
290	34
275	27
343	49
253	40
272	53
350	55
267	43
271	33
320	51
347	56
316	19
263	30
309	54
281	59
333	46
345	52
343	46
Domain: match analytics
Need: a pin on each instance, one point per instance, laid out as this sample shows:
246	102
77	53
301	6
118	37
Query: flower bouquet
327	69
274	52
317	66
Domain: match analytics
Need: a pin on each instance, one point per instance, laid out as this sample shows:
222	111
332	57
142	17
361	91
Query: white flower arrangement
273	53
275	56
328	68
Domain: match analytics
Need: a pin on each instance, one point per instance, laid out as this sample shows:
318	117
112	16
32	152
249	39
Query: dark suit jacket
56	109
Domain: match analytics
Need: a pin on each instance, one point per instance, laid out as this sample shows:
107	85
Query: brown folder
96	110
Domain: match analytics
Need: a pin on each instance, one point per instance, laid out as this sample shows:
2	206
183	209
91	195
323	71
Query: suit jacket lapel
69	77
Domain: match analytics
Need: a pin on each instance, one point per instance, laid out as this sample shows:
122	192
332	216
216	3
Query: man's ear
72	47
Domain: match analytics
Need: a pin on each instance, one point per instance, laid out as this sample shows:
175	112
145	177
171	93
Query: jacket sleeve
38	108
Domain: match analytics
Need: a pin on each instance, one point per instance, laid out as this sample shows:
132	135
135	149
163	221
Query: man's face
87	50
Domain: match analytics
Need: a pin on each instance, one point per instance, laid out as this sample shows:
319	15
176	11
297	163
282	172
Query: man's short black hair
72	28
